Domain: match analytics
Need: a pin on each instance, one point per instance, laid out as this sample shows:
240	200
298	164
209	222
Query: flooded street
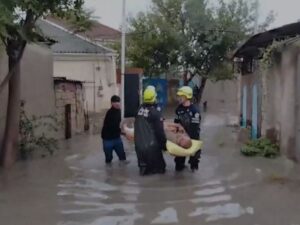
74	187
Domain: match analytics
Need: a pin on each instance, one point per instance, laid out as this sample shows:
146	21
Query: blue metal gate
161	86
244	116
254	130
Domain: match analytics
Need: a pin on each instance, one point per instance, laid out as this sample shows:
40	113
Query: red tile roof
97	31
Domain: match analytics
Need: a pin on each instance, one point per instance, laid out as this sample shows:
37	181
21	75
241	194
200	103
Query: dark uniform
150	140
189	118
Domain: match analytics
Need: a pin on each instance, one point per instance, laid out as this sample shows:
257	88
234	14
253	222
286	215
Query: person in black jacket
111	132
188	116
150	139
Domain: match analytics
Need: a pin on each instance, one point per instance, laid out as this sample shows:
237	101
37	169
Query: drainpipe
94	74
123	60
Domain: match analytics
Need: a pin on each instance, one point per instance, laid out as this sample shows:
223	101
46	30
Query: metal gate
132	95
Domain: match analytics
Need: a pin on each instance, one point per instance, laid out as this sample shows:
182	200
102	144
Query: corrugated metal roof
96	31
262	40
65	80
67	42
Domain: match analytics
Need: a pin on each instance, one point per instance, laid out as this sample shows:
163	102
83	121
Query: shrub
261	147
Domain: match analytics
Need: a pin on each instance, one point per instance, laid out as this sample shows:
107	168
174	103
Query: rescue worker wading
188	116
150	139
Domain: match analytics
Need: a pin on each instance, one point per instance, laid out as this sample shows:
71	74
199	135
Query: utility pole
123	59
256	17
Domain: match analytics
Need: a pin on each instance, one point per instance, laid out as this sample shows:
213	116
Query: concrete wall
279	94
36	83
222	92
249	80
3	94
280	110
101	70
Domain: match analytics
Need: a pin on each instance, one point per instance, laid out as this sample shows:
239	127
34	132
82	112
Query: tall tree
192	35
17	28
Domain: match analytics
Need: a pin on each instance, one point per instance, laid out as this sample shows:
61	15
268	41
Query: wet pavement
74	187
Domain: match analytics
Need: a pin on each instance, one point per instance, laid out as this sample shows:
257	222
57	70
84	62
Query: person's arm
176	120
159	129
105	121
195	125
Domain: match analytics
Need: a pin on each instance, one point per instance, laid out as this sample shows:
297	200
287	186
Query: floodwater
74	187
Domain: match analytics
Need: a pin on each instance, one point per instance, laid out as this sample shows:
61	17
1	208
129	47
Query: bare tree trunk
201	89
10	142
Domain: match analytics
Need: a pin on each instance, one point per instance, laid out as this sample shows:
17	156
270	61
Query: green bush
30	137
262	147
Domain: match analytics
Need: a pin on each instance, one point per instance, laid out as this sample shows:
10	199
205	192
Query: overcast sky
109	12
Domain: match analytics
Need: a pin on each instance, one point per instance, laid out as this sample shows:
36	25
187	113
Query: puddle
227	211
88	183
213	199
87	195
167	216
130	190
101	207
72	157
211	191
212	183
117	220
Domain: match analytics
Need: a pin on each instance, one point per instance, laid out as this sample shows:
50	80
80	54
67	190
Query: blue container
161	86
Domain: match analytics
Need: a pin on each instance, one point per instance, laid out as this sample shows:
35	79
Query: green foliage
30	141
191	35
272	54
261	147
18	17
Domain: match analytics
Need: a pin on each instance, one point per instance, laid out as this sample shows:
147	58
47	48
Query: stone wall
73	94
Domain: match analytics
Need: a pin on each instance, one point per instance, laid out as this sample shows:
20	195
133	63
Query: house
79	58
70	109
36	83
98	32
269	93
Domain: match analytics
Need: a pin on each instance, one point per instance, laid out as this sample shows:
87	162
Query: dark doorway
132	97
68	124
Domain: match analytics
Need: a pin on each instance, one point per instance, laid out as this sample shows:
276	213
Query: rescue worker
188	116
150	139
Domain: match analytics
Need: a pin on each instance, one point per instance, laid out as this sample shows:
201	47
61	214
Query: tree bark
10	142
201	89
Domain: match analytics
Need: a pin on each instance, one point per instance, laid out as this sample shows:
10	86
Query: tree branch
29	21
3	39
11	72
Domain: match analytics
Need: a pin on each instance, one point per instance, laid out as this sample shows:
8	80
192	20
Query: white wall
88	69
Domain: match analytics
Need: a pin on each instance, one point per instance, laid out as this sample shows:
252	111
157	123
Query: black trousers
193	161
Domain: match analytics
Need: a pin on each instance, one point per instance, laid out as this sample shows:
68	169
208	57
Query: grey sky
109	11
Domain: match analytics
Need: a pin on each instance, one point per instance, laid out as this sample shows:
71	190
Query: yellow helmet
149	95
185	91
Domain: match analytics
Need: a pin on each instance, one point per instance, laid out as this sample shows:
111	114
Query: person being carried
111	133
174	133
